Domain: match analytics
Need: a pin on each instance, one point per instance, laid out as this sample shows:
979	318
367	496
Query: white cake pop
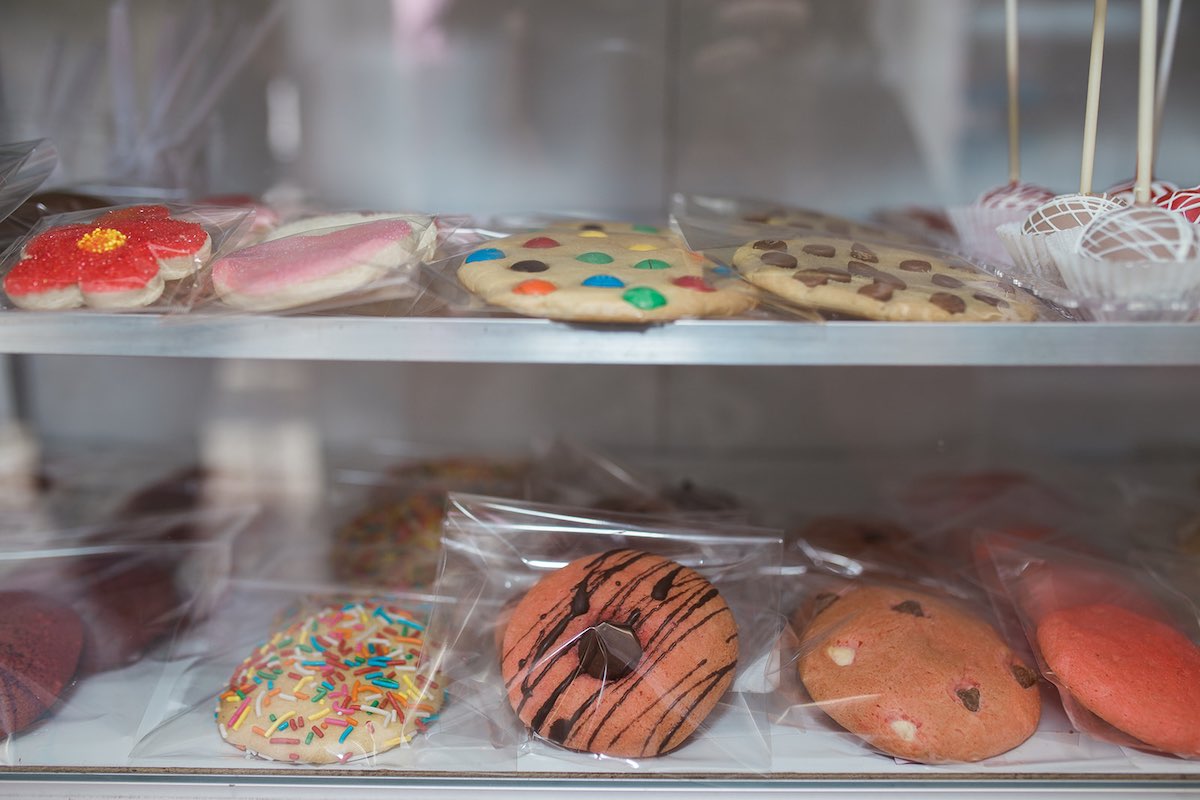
1067	212
1015	196
1140	234
1183	201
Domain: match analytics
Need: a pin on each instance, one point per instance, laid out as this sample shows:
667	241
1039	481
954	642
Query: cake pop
1183	201
1139	234
1123	191
1015	196
1067	212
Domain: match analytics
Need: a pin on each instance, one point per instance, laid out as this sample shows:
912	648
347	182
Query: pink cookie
1136	673
316	264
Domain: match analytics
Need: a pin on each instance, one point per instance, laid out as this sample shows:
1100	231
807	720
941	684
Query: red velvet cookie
918	677
622	653
40	643
1136	673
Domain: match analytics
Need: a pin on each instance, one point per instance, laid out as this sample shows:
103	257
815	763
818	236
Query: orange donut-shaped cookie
622	653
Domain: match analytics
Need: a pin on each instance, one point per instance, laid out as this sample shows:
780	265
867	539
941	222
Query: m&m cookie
599	272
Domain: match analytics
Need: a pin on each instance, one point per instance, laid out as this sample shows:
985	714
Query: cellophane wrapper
495	551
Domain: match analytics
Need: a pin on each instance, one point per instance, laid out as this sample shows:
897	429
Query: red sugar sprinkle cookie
119	261
345	683
1137	674
917	677
40	644
622	653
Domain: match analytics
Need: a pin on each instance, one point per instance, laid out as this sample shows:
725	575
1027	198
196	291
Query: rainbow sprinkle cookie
340	685
395	544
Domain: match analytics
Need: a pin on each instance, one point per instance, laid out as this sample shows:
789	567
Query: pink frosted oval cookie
316	265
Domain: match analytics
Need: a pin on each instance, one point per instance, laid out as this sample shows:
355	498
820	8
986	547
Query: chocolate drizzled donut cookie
917	677
878	281
623	653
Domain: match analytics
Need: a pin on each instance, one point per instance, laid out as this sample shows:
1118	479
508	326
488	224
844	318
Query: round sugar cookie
879	281
622	653
599	275
345	683
1137	674
917	677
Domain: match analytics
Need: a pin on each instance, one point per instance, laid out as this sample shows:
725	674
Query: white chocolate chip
905	730
842	656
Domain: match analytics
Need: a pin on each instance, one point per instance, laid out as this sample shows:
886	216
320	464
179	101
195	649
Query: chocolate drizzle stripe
714	679
644	670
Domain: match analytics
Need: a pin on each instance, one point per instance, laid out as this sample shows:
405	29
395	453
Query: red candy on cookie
917	677
1137	674
622	653
119	261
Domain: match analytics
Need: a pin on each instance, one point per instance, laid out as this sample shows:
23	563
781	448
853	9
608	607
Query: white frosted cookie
878	281
342	684
599	272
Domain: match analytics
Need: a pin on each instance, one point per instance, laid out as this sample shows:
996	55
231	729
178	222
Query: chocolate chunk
760	219
950	303
991	301
529	266
863	253
609	651
915	265
820	250
839	275
970	698
776	259
591	226
878	290
770	244
910	607
962	267
1024	675
875	274
811	278
947	281
823	601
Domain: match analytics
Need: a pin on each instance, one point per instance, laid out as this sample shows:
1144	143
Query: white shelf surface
535	341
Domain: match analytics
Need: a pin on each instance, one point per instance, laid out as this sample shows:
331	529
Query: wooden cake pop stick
1092	111
1166	56
1145	120
1014	81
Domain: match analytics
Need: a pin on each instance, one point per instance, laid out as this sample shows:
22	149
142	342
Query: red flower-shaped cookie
118	261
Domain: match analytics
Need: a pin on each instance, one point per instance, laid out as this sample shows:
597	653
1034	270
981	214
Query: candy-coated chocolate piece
486	254
644	298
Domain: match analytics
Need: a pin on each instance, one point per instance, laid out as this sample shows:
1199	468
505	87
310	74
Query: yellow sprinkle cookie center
101	240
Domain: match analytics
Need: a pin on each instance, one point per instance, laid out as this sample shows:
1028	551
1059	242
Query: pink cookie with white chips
321	258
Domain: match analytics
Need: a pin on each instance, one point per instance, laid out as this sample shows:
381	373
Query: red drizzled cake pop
1123	191
1015	196
1183	201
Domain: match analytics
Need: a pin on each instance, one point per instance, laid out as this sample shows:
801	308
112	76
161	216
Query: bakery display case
372	366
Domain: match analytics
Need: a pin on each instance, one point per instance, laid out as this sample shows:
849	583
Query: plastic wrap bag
131	258
86	608
585	271
1117	642
890	654
331	261
24	166
816	263
224	688
623	686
